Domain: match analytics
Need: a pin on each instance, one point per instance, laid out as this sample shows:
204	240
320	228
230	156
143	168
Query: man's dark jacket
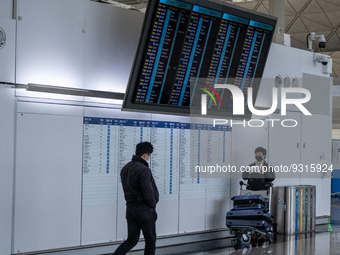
138	184
259	181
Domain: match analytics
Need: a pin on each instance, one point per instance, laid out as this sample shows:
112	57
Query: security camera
322	42
323	59
312	37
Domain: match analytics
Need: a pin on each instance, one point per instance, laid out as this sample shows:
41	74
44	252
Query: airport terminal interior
240	100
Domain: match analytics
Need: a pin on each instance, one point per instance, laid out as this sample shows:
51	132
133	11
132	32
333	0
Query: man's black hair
261	149
144	147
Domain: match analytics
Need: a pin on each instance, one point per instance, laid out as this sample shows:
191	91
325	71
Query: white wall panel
50	42
285	147
111	40
48	182
48	109
317	149
6	9
283	56
7	53
192	215
6	166
321	93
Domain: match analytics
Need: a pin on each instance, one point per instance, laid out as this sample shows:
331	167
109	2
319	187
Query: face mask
259	158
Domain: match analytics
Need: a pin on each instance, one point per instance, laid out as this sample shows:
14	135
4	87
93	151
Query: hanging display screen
187	45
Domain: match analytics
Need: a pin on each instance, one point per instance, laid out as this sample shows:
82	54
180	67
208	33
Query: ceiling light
74	91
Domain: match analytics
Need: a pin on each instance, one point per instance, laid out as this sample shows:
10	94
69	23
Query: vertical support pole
277	8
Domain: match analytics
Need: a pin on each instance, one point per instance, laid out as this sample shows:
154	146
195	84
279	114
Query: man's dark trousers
139	218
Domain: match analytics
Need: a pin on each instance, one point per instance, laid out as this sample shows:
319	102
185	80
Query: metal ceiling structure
305	16
301	18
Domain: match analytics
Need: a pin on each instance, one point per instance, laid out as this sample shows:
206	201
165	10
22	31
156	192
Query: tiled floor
322	242
319	243
307	244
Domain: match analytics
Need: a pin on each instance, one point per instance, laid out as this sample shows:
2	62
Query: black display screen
185	42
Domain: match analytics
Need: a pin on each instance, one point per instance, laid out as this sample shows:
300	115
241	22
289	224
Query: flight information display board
109	144
185	40
179	147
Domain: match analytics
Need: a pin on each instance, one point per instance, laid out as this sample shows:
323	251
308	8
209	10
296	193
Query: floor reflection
320	243
303	244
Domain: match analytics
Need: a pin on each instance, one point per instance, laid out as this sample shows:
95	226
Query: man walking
141	195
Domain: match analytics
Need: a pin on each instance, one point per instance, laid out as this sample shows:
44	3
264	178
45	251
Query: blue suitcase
249	207
253	214
259	224
249	200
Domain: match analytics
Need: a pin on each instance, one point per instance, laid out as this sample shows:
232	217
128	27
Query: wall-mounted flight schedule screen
185	42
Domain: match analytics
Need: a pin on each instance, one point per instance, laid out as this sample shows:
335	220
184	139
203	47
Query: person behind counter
259	174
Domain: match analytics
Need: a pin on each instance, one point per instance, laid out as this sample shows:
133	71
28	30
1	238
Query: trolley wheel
244	239
270	238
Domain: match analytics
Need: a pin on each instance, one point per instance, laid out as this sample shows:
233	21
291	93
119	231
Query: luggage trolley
251	215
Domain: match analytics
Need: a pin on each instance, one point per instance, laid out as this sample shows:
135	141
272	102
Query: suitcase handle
242	183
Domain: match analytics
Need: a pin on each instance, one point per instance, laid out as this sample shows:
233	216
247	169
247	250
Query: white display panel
192	188
208	147
47	182
218	189
165	136
131	132
165	159
109	144
99	181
